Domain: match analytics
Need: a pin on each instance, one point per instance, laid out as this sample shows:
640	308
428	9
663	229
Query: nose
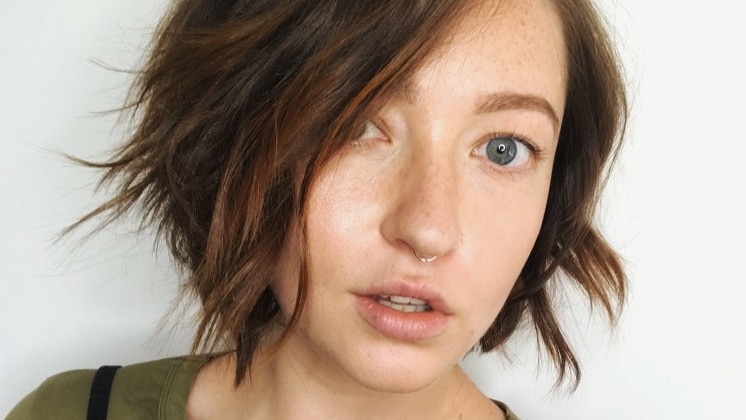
422	211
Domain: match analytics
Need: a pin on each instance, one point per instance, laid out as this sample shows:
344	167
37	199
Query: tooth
399	299
407	300
406	308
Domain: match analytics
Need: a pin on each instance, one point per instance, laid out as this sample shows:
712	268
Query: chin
395	382
398	370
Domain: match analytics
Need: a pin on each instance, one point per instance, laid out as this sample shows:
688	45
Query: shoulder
144	390
62	396
156	389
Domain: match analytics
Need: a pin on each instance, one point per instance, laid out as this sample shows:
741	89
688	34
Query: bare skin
423	177
214	397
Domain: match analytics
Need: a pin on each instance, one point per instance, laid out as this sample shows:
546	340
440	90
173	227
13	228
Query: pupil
502	150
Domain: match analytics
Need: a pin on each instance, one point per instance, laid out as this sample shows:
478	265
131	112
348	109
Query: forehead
512	46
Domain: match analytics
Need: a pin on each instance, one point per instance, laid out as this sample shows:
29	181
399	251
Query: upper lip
412	289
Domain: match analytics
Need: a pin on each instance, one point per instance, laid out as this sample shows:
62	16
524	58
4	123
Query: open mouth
394	313
403	303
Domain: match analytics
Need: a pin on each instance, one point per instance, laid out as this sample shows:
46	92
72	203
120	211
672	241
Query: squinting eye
506	151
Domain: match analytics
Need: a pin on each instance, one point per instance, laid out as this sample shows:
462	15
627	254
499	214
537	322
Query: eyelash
517	137
535	151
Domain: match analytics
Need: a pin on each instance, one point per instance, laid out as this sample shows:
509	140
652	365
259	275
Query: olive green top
151	390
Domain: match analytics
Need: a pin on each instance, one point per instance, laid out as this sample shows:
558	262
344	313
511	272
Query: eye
507	151
367	130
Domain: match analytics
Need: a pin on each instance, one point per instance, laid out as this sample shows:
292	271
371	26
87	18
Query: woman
361	192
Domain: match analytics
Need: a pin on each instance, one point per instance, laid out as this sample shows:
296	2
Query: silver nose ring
425	259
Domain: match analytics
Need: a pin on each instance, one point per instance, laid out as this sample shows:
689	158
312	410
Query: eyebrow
495	102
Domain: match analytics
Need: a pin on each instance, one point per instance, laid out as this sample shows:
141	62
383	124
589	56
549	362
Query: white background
674	209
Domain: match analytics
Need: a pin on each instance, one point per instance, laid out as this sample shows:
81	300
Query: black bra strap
98	402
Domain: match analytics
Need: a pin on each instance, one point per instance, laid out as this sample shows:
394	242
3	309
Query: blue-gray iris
501	150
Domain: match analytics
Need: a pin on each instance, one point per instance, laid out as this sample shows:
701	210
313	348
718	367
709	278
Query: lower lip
406	326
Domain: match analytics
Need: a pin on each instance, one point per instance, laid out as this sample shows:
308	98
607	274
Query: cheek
337	212
507	226
499	264
342	212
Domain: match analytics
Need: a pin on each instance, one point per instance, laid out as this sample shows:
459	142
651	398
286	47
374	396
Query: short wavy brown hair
239	100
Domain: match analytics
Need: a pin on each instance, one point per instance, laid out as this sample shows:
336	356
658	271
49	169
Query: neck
295	383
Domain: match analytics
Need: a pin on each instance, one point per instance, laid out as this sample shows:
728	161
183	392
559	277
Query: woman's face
457	167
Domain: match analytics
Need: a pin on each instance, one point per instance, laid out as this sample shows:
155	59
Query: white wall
675	210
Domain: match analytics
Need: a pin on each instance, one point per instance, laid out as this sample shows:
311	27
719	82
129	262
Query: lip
412	326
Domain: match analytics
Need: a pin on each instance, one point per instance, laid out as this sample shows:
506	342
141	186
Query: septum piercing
425	259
